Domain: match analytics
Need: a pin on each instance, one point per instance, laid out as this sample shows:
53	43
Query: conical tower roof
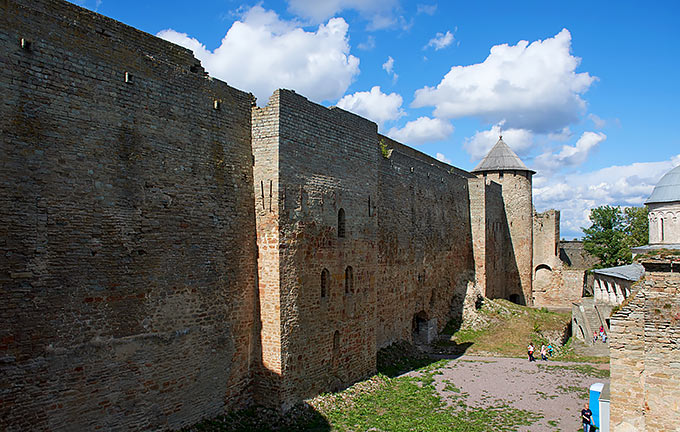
501	158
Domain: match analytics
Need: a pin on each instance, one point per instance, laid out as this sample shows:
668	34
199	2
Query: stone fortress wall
560	267
127	228
645	359
170	251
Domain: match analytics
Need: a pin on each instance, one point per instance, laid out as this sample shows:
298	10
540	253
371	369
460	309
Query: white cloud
261	53
441	40
597	121
530	86
388	66
442	158
575	194
571	155
426	9
422	130
381	13
374	105
520	140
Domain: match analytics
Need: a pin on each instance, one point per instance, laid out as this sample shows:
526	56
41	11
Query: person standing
530	351
586	418
544	353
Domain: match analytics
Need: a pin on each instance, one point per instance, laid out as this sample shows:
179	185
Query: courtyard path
554	390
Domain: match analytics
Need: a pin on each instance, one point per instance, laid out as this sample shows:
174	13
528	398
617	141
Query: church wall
127	261
664	223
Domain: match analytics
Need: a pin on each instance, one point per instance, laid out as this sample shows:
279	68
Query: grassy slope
509	328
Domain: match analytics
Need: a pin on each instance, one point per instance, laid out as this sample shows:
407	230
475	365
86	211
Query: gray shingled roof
501	158
631	272
668	188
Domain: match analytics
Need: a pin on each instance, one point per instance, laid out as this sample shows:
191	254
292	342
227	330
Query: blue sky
585	92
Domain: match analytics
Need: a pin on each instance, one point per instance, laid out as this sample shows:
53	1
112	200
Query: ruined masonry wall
548	284
265	144
327	164
424	242
645	366
126	220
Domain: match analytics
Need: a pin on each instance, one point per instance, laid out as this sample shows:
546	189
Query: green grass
509	329
406	403
411	403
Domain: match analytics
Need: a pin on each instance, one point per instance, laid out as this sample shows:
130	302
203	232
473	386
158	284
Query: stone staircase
590	316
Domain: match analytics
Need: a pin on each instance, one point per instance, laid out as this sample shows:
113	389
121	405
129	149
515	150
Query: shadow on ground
302	417
403	357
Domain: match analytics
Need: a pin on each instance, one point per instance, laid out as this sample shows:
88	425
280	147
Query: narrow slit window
349	280
324	283
341	223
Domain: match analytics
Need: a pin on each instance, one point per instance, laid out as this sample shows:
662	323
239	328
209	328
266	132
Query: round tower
503	166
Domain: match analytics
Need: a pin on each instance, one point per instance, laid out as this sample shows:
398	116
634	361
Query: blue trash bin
594	402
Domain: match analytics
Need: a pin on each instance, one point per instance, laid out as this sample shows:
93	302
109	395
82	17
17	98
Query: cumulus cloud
442	158
571	155
530	86
519	140
380	13
261	53
374	105
422	130
575	194
440	40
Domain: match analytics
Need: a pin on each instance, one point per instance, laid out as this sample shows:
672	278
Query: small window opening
25	44
662	233
500	175
217	104
341	223
324	283
349	280
369	206
128	77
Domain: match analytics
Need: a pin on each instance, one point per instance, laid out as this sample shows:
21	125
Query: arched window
349	280
341	223
661	231
324	283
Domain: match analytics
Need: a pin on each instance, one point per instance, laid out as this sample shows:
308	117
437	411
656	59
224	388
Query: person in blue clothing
586	418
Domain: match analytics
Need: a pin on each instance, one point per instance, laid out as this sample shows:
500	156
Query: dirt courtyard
554	391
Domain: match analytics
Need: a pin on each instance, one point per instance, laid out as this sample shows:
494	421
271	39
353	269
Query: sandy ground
556	393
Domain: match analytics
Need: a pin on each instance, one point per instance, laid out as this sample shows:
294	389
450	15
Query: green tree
605	238
636	220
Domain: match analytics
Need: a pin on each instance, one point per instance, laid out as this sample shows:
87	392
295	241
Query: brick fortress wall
127	228
400	265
